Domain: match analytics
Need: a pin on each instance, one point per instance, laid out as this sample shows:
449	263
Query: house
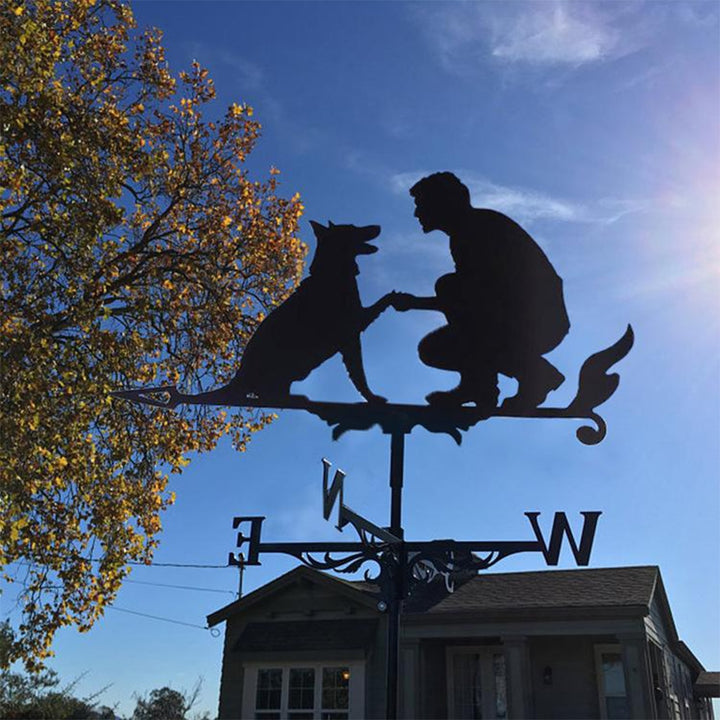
590	643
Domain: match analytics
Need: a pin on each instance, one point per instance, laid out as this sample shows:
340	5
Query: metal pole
397	458
241	572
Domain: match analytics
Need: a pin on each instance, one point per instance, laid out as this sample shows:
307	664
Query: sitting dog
322	317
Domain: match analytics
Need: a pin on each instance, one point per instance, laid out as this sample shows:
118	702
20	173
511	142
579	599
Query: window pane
617	708
335	715
269	687
468	686
335	684
300	715
301	690
500	686
613	674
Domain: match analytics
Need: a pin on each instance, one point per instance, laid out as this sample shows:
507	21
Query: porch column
519	681
638	678
409	679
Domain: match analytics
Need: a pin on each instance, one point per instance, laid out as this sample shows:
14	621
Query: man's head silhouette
441	200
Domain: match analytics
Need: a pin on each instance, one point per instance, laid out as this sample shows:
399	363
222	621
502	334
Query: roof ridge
486	573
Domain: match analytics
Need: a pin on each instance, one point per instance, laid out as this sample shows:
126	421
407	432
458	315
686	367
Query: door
477	687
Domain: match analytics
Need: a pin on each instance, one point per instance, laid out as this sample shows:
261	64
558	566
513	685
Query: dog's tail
595	384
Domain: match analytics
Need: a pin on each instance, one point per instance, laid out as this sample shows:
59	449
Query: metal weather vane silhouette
504	310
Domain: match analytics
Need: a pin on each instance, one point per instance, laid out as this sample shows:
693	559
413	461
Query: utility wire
179	587
213	631
138	582
133	562
160	564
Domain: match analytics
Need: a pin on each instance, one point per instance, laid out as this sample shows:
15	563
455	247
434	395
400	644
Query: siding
433	690
573	692
655	625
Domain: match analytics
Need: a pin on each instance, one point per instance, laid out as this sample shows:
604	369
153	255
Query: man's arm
406	301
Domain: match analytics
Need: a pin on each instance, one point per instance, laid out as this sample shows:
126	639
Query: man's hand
402	301
405	301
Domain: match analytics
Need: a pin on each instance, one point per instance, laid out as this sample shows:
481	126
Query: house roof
623	587
707	685
322	635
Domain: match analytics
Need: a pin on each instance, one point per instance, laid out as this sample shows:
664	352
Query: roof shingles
608	587
322	635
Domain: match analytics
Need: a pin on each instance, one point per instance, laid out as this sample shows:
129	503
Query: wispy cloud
545	34
248	75
528	206
251	79
554	33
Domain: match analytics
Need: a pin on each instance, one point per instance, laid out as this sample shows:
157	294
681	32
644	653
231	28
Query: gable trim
287	580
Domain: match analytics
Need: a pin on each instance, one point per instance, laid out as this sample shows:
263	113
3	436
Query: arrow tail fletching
596	385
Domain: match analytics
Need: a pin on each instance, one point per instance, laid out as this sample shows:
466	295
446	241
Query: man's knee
429	350
439	349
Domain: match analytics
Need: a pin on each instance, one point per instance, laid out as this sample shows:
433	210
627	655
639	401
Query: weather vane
504	311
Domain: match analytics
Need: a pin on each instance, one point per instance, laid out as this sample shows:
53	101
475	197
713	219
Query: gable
659	622
305	599
299	593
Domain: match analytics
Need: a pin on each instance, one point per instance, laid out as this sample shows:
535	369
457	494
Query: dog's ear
318	229
331	224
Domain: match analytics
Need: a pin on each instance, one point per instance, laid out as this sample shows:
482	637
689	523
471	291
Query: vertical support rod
397	460
241	572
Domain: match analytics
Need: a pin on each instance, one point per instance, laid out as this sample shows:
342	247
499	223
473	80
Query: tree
165	704
38	695
135	249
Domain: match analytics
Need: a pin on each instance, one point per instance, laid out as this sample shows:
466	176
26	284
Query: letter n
560	528
330	495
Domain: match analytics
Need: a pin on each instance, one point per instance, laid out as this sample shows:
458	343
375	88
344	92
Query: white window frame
616	649
356	688
487	676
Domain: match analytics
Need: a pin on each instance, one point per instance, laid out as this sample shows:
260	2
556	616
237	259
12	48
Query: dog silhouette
322	317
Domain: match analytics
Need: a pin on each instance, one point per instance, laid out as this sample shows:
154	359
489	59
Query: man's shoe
486	400
531	394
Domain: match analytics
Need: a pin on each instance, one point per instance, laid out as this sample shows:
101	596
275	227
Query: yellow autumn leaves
134	250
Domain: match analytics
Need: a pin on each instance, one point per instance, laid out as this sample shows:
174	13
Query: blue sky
595	125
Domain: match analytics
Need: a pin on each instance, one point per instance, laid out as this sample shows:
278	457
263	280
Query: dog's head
339	245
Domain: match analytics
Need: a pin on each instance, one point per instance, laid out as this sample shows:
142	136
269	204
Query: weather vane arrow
595	386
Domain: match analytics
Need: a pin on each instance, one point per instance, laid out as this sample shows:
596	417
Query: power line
132	562
178	587
159	564
139	582
213	631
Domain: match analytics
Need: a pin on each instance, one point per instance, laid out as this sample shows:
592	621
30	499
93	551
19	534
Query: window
335	695
477	686
614	703
301	693
267	699
306	692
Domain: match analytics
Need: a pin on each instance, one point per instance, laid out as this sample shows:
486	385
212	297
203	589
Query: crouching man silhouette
503	304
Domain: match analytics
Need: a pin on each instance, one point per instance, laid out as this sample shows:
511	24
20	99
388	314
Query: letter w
561	527
330	495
